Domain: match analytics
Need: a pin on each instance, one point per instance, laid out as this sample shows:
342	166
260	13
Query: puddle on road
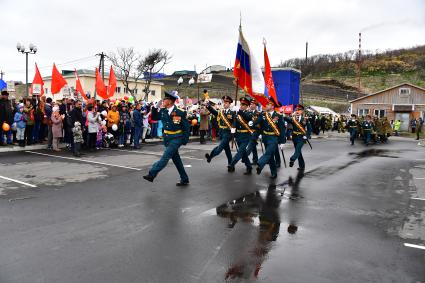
261	210
324	171
373	152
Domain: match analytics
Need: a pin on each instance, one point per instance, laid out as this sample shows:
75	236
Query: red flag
112	83
268	76
100	86
58	82
37	80
79	87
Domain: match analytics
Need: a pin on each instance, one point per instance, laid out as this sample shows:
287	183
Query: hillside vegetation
379	70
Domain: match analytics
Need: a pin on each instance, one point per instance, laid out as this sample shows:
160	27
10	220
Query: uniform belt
367	129
353	126
269	133
242	131
297	133
173	132
223	127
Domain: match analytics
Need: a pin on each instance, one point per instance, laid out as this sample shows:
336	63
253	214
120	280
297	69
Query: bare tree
152	64
129	64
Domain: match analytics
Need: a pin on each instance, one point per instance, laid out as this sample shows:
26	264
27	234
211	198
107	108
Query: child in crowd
78	138
20	121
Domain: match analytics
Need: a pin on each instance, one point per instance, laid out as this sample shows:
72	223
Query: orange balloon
5	127
194	122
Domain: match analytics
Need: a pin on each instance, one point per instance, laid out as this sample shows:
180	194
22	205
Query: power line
84	59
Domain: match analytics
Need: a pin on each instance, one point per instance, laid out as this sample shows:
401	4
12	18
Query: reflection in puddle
260	209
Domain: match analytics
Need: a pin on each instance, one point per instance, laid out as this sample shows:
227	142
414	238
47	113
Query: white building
88	80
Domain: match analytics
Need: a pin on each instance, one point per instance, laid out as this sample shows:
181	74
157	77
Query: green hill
379	70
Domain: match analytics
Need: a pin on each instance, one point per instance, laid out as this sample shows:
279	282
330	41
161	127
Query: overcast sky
199	33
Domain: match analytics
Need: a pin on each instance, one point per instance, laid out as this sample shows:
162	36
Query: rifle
284	159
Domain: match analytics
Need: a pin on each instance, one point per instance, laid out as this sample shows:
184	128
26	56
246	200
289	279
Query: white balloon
104	113
114	127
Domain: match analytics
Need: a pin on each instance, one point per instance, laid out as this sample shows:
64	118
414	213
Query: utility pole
305	65
1	74
101	67
360	61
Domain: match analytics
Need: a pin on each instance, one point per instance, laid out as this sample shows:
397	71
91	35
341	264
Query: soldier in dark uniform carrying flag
225	121
252	145
176	133
272	129
299	135
243	136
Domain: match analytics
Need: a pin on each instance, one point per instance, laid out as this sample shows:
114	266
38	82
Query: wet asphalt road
96	220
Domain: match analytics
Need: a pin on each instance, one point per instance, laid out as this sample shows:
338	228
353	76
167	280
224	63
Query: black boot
248	171
230	168
148	178
291	163
182	184
258	170
208	157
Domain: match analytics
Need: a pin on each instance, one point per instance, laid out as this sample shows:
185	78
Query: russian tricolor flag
247	73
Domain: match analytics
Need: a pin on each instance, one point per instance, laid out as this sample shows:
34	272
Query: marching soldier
273	132
243	136
367	127
225	121
352	125
176	133
299	135
252	146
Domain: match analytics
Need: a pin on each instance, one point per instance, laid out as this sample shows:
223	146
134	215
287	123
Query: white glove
304	137
281	146
233	130
260	137
250	123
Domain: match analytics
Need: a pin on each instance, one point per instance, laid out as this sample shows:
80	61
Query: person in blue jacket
176	133
138	125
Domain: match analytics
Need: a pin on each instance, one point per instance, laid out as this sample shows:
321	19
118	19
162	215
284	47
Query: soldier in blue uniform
367	127
272	130
225	121
352	126
252	146
299	135
176	133
243	136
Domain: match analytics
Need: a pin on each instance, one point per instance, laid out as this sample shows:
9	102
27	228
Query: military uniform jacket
297	131
242	128
227	113
367	125
268	130
175	125
352	125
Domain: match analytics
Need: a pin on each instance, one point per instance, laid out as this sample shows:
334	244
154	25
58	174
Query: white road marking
187	166
84	160
154	153
414	246
418	198
419	178
19	182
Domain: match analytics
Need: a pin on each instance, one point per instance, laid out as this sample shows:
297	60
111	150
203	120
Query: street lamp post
32	50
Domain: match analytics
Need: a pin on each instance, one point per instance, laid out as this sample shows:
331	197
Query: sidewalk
13	148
